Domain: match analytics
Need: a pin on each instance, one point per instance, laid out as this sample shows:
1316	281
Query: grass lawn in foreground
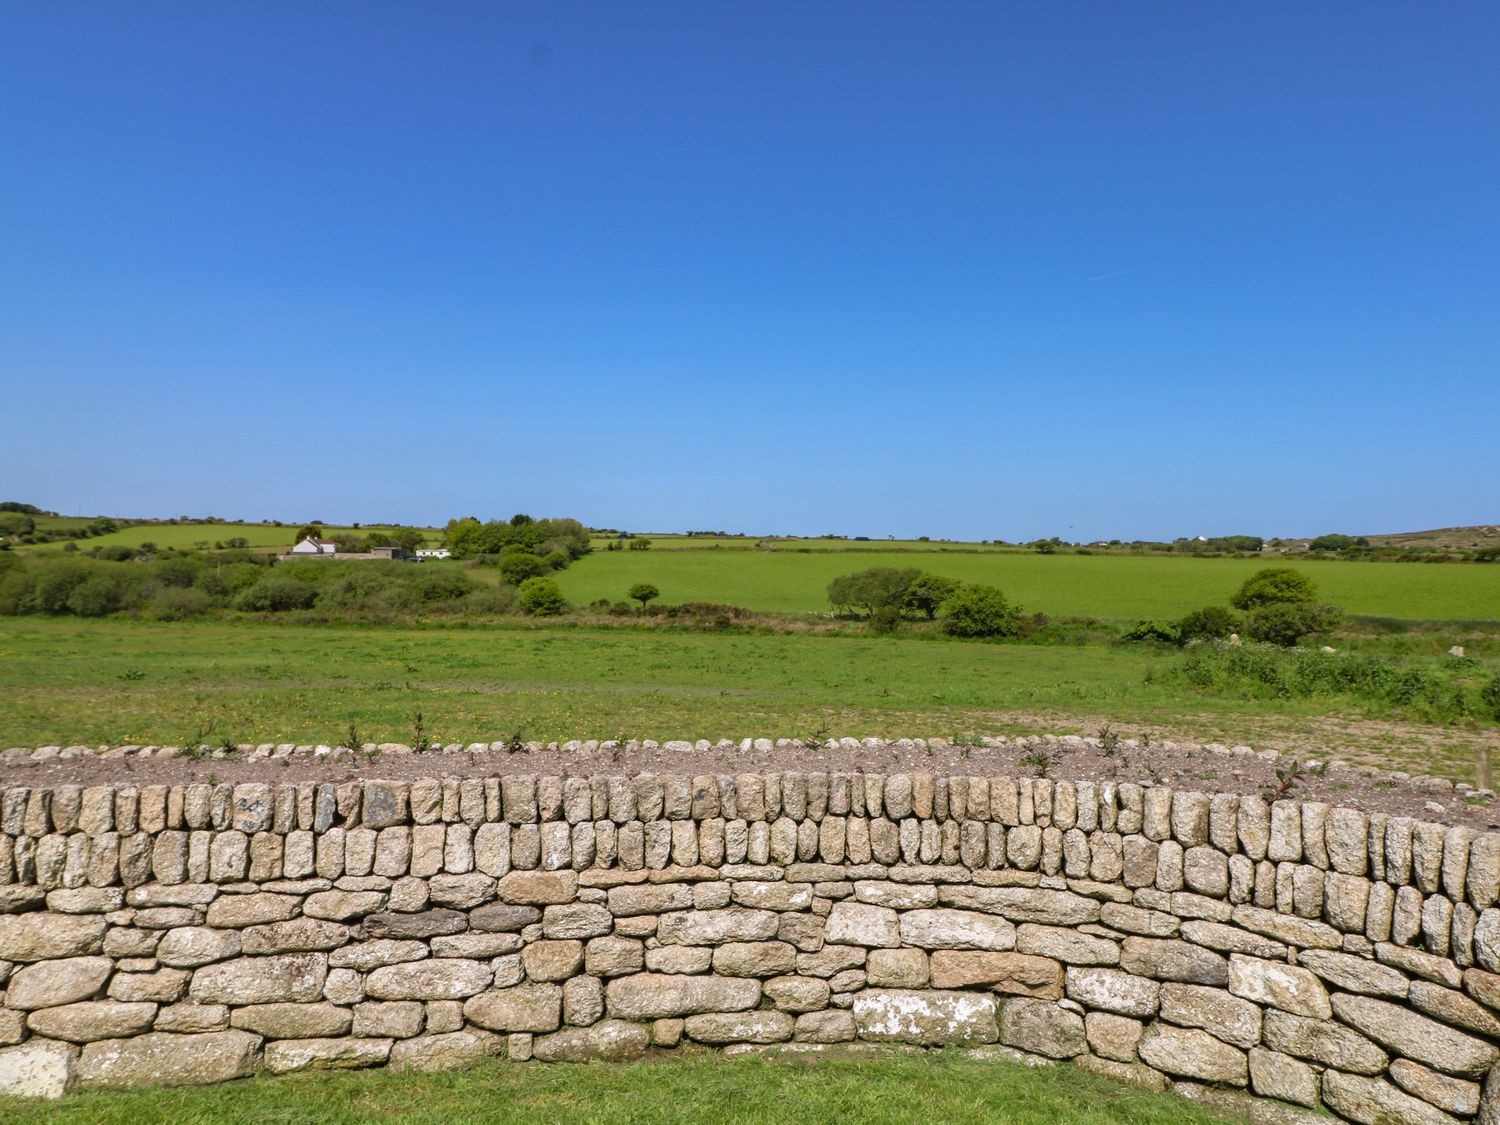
119	681
696	1089
1111	587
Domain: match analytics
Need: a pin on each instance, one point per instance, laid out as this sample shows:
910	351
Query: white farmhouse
434	553
311	546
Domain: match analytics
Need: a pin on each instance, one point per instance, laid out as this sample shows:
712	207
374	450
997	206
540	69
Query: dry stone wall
1280	957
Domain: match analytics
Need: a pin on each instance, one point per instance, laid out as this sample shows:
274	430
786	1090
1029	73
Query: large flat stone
1373	1102
1042	1027
1191	1053
946	928
610	1040
440	978
91	1020
294	977
47	984
1403	1031
42	936
661	995
447	1051
38	1068
159	1058
929	1017
525	1007
1015	973
341	1053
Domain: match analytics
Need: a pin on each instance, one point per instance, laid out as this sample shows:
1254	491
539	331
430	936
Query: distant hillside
1441	538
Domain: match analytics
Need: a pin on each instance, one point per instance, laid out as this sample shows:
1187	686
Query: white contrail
1122	273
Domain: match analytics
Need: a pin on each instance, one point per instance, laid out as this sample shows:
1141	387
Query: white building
434	553
311	546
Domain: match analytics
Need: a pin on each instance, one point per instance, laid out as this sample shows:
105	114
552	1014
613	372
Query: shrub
441	585
275	595
642	592
1274	586
928	592
1490	696
1286	623
115	553
97	596
516	568
490	600
980	611
1154	631
175	603
621	609
870	589
558	559
542	597
1211	623
885	621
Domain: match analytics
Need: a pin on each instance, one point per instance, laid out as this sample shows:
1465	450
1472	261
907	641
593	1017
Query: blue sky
966	270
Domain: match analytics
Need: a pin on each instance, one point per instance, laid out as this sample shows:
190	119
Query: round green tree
542	597
642	592
1278	585
980	611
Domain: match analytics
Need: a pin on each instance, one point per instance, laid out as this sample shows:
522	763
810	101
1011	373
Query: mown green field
187	536
121	681
692	1088
1110	587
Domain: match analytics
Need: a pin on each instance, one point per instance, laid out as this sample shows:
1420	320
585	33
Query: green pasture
187	536
1111	587
119	681
674	542
691	1088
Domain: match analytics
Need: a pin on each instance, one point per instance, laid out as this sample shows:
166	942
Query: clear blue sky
978	270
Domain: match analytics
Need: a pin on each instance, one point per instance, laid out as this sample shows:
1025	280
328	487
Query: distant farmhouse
312	548
434	553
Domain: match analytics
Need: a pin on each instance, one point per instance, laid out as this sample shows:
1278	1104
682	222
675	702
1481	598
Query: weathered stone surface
295	977
46	984
739	1027
1112	1036
679	959
1374	1102
1453	1008
629	901
1451	1094
164	986
234	911
858	923
1068	946
797	994
780	895
552	960
1356	974
1024	904
1167	959
389	1019
1041	1027
1322	1041
343	906
1129	1074
927	1017
163	1059
897	968
1114	990
538	888
366	955
287	1055
1224	1016
190	1016
440	978
1193	1054
711	927
1280	985
657	995
38	1069
576	920
410	927
610	1040
613	956
503	917
191	946
1403	1031
91	1020
754	958
446	1051
832	1026
300	935
45	936
1274	1075
1016	973
293	1021
953	929
526	1007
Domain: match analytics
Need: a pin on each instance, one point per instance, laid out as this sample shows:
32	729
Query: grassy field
186	536
691	1089
123	681
1104	586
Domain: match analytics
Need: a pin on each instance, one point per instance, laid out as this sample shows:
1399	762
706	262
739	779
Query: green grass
187	536
1111	587
935	1087
120	681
